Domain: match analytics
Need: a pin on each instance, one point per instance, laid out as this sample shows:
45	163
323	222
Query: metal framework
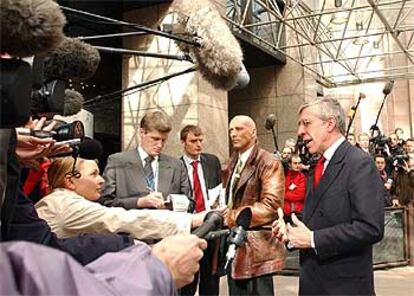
341	42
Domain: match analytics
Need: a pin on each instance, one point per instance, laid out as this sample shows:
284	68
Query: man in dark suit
343	215
204	173
144	177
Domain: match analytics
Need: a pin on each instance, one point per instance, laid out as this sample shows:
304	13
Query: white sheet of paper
180	202
214	193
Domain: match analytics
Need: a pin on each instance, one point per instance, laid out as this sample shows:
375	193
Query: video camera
303	151
64	132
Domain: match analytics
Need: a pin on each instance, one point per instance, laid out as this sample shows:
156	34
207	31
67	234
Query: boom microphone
270	121
212	221
388	87
73	102
30	27
73	59
238	234
220	56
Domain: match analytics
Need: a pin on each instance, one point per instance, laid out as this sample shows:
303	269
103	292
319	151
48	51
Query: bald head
242	131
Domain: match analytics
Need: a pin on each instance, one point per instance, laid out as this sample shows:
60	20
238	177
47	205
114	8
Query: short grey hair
327	107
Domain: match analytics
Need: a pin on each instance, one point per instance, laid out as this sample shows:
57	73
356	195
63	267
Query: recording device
30	27
303	151
353	112
16	87
238	234
65	132
270	125
212	221
386	91
388	87
72	59
87	149
219	56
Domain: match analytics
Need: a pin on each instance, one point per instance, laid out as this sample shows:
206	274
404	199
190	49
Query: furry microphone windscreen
220	56
73	102
30	27
73	59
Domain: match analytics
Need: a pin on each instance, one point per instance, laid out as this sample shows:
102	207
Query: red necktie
317	173
198	194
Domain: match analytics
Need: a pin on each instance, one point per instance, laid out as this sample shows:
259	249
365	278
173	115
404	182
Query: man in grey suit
343	215
144	177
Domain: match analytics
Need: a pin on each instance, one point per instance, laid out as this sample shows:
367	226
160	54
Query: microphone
73	59
243	78
87	149
73	102
388	87
212	221
269	125
270	121
238	234
219	56
30	27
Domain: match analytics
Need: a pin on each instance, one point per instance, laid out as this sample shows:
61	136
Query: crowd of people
131	209
393	156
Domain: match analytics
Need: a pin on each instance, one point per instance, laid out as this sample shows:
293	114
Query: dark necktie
198	194
149	174
317	173
237	173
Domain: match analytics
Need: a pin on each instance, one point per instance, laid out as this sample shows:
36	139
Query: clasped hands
297	235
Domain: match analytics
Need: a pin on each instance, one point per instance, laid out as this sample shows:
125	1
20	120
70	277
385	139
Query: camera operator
403	191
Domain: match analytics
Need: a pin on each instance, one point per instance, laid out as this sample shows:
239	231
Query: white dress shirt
243	157
189	164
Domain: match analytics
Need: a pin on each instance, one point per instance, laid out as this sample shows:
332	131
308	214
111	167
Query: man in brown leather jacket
253	178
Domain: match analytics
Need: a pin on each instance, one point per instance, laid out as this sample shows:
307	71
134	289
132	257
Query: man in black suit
343	215
204	173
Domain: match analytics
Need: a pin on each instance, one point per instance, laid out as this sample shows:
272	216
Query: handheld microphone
219	56
72	59
238	234
212	221
30	27
388	87
87	149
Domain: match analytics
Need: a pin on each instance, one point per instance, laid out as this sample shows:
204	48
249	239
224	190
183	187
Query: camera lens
70	131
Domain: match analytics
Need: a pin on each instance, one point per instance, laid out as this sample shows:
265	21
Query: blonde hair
59	170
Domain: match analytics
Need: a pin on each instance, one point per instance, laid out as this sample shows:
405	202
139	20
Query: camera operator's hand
181	253
30	150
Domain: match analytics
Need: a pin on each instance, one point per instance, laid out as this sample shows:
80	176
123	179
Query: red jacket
295	189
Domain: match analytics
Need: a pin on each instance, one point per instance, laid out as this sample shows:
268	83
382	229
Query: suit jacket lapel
134	163
165	174
206	171
313	197
247	171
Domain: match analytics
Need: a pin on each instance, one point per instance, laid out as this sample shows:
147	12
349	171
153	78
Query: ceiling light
339	18
359	26
360	41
